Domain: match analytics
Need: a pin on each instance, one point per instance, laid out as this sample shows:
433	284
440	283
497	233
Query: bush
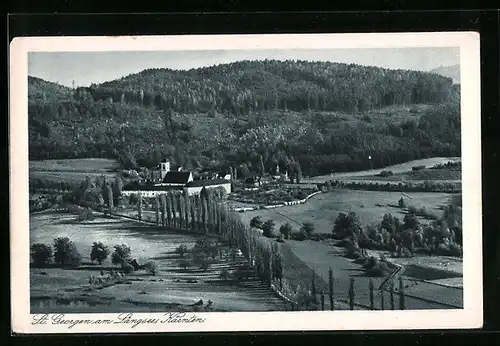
184	264
181	250
99	252
151	267
65	252
412	209
41	254
300	236
401	203
86	215
224	274
121	254
418	168
285	230
127	267
308	228
386	173
268	228
370	262
380	270
280	238
256	222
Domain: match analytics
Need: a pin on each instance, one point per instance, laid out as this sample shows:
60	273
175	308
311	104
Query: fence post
351	293
313	288
372	303
330	281
401	294
139	207
157	207
322	300
392	295
382	307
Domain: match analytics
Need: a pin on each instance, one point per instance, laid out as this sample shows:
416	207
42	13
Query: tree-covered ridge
246	86
234	114
42	90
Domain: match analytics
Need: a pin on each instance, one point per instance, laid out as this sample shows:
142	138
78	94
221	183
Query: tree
286	230
308	228
268	228
41	254
256	222
99	252
65	252
402	203
261	166
346	225
121	255
181	250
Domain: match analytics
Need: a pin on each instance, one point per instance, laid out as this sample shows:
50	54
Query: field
72	170
370	206
424	174
400	168
64	290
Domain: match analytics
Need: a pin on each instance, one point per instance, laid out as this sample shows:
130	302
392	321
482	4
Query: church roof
176	177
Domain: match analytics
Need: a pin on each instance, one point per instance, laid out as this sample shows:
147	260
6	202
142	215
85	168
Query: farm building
176	181
194	187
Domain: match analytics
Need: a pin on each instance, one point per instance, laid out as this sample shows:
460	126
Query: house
176	178
194	187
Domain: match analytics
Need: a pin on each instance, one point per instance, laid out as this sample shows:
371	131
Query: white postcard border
469	317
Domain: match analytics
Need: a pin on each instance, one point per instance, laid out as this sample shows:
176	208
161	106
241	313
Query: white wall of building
197	189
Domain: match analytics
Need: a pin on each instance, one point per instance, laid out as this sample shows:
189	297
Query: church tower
164	168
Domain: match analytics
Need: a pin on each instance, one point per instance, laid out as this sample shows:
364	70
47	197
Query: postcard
294	182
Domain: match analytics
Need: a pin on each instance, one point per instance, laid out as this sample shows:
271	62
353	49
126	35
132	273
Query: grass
370	206
72	170
420	175
399	168
170	289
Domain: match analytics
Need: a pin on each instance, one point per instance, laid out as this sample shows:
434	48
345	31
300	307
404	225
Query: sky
85	68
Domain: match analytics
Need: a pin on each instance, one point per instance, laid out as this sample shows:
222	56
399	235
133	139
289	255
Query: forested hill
326	116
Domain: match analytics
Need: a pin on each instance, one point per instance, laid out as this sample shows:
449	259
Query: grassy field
424	174
400	168
72	170
64	290
370	206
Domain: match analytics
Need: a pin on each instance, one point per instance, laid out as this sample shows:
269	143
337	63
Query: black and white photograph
298	174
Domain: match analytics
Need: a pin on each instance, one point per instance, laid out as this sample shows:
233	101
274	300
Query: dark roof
134	186
176	177
207	182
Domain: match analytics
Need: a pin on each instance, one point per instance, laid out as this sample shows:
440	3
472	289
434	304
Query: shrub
151	267
256	222
184	264
127	267
401	203
224	274
65	252
308	228
371	262
380	270
121	254
86	215
181	250
41	254
418	168
300	236
285	230
268	228
386	173
99	252
280	238
412	209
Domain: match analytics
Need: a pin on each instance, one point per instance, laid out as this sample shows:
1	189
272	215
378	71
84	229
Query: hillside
452	72
325	116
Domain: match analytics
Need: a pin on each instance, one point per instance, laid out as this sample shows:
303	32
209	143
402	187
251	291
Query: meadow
370	206
173	288
72	170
